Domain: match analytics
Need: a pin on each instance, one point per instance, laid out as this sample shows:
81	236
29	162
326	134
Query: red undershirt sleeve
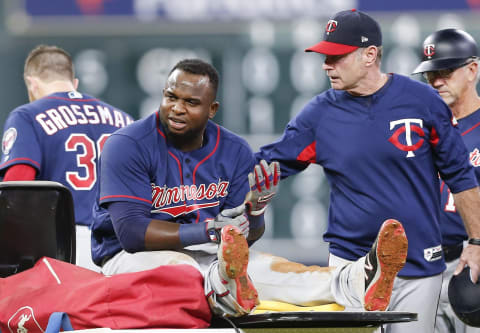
20	172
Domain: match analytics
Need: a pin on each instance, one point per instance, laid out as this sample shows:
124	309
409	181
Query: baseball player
450	65
59	135
185	190
382	139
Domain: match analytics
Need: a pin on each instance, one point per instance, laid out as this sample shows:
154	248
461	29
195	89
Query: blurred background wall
123	50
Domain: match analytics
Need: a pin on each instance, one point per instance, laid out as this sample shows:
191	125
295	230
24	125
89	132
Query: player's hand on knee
263	183
233	216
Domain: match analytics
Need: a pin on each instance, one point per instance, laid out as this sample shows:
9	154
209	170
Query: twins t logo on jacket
407	126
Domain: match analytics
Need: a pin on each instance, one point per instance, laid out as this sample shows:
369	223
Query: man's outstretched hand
263	183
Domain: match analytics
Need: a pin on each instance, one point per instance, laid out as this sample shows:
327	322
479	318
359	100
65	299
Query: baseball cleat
233	261
382	264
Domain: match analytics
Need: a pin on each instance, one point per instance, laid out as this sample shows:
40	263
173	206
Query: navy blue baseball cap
347	31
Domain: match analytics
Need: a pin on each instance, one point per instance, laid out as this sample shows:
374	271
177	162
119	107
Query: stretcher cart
276	322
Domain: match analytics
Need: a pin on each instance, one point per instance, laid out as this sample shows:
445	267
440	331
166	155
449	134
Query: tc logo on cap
429	50
331	26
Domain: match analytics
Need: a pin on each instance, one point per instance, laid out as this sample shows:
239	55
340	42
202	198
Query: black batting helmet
447	48
464	297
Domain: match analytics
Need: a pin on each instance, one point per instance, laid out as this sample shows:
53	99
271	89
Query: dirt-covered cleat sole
233	260
382	264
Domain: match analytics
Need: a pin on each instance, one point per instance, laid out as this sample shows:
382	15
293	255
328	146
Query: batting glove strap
212	232
234	216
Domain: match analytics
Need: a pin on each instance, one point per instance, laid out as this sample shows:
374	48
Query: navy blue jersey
381	155
139	165
453	230
61	136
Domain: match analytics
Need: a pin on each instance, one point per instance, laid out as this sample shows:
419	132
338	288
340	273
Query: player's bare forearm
467	203
255	234
162	235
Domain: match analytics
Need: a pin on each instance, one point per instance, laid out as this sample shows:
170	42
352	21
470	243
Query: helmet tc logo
429	50
408	128
331	26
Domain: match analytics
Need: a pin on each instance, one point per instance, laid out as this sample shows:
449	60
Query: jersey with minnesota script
181	187
61	136
453	230
381	154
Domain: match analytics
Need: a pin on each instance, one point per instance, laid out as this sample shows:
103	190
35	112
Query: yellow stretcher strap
273	306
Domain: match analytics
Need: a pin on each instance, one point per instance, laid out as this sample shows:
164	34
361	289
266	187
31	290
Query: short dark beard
180	141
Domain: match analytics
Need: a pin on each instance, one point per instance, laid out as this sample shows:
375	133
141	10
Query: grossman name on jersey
62	117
